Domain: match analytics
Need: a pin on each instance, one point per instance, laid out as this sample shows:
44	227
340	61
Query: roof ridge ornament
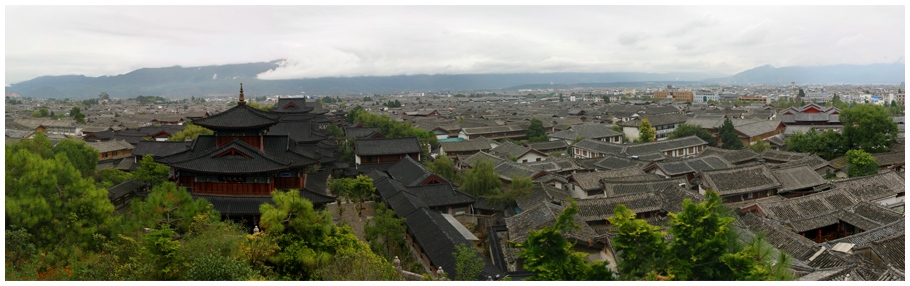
241	101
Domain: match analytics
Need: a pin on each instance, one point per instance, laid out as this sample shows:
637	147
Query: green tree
561	99
701	235
335	131
357	189
385	232
647	132
172	207
309	243
109	177
41	112
445	168
801	93
468	264
757	263
77	115
606	99
641	246
868	127
150	171
38	144
190	131
728	136
83	157
760	146
860	163
549	255
685	130
481	180
52	201
520	186
535	131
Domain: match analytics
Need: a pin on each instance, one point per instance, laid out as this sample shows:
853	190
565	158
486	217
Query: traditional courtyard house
239	166
735	157
739	183
687	168
583	185
517	228
468	147
558	165
798	181
433	235
549	146
811	114
111	152
588	131
98	136
829	215
385	150
589	148
423	113
821	166
886	189
664	124
617	187
465	162
886	162
50	127
508	170
521	154
363	133
775	157
516	131
168	120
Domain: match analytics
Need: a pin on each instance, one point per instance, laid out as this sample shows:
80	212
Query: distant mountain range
184	82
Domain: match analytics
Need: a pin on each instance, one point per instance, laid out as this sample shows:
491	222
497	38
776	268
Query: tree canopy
868	127
647	133
536	132
549	255
190	131
49	198
860	163
685	130
150	171
481	180
728	136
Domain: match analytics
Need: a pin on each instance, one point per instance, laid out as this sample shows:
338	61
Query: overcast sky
320	41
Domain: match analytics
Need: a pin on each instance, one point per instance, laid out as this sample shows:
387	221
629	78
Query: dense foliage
728	137
549	255
704	246
685	130
393	129
536	132
860	163
647	133
868	127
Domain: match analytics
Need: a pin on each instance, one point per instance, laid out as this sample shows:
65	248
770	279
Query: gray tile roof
479	144
111	145
386	146
740	180
541	216
869	188
781	156
795	178
812	205
205	156
693	165
239	117
549	145
508	169
508	148
409	172
472	160
735	157
591	181
786	240
623	188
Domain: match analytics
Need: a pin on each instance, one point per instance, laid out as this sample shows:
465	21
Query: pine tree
728	136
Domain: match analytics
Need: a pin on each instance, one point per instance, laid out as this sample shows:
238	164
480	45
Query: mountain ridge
218	80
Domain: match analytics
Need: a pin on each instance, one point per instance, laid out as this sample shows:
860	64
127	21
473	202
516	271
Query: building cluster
834	228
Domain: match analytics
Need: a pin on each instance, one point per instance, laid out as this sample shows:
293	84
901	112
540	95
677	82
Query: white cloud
322	41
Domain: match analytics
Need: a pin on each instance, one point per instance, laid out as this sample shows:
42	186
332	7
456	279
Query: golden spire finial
241	101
